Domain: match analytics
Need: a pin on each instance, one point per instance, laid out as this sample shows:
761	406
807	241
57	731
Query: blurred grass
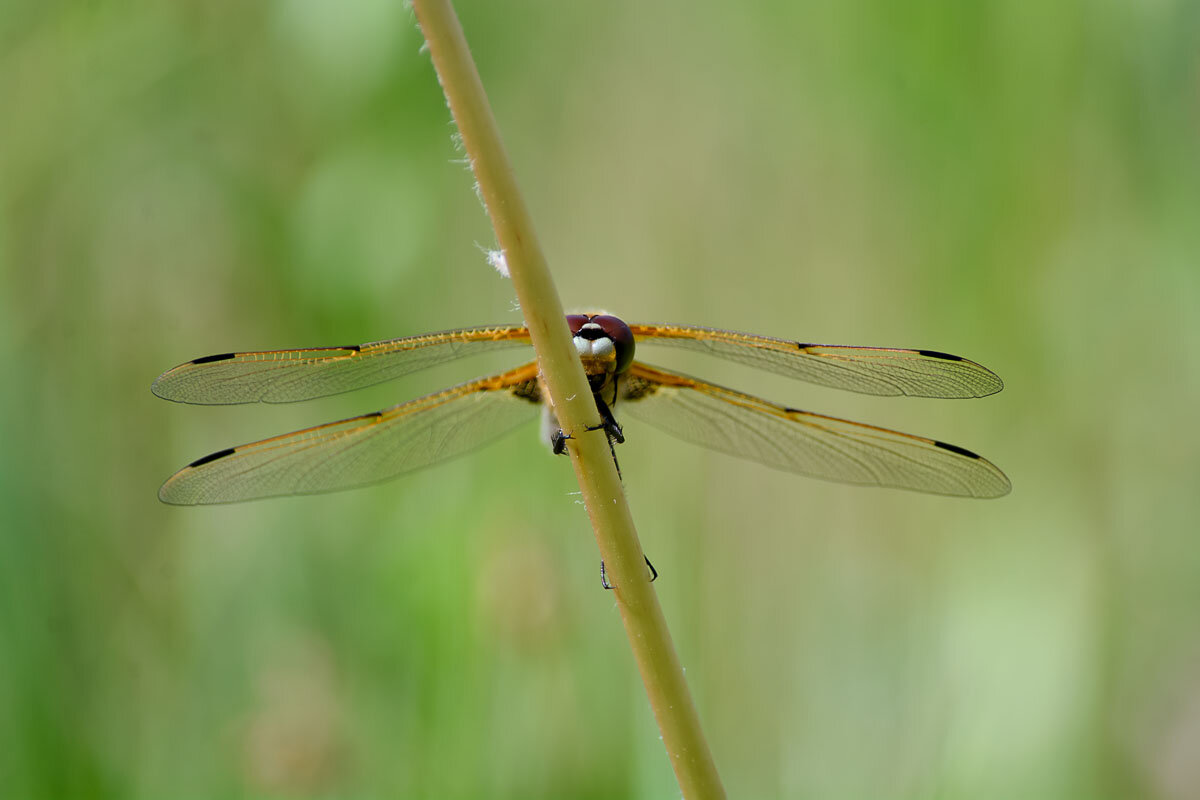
1018	183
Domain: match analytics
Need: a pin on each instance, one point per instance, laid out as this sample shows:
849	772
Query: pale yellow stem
571	399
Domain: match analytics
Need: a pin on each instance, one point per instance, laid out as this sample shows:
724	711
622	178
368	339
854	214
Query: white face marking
594	348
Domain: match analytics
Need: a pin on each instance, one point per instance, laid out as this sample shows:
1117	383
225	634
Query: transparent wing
869	370
362	450
803	442
285	376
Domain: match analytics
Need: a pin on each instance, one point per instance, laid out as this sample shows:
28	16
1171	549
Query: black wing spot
638	389
373	414
354	348
527	390
199	462
939	354
953	448
804	345
210	359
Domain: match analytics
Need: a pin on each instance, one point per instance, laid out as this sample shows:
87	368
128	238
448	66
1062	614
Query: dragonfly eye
576	322
621	336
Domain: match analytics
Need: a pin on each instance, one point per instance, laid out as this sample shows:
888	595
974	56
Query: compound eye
576	321
621	336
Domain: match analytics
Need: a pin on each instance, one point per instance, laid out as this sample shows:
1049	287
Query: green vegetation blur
1018	183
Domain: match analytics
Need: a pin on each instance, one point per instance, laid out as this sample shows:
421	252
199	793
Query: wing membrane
804	442
362	450
285	376
869	370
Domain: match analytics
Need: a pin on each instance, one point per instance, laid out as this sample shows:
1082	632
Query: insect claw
604	577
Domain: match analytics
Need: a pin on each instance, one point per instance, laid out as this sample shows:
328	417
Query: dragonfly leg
604	578
608	423
558	443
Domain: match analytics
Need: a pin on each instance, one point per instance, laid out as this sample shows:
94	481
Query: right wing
365	449
285	376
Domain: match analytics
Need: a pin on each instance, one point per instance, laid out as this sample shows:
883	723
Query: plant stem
571	399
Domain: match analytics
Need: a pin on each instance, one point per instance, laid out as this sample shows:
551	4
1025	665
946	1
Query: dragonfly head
604	343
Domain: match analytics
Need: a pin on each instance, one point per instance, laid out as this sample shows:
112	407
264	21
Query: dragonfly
383	444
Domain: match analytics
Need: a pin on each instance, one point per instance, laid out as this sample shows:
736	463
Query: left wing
365	449
869	370
803	442
285	376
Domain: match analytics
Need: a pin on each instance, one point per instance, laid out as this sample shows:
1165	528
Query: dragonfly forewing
286	376
867	370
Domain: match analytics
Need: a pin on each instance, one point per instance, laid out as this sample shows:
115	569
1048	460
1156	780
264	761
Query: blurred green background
1016	182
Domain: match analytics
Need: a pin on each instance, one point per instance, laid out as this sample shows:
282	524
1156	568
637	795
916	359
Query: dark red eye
622	338
576	321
